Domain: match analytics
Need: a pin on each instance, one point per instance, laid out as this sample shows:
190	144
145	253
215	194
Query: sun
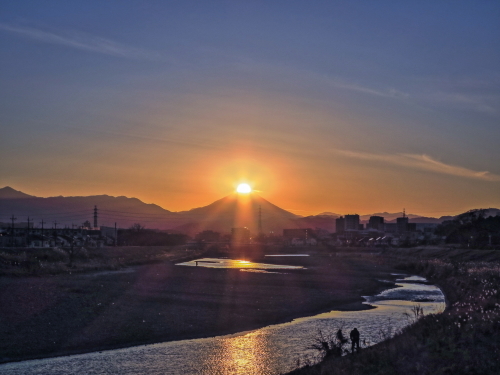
243	189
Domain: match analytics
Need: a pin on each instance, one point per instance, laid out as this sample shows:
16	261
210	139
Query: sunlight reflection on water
232	263
270	350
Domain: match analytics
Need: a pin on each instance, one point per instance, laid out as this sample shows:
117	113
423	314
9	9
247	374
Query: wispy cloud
476	102
295	73
479	94
390	93
422	162
81	41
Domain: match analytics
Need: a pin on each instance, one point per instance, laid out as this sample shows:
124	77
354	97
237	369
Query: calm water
269	350
231	263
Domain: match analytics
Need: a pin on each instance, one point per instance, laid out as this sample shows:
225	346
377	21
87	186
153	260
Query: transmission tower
95	217
43	238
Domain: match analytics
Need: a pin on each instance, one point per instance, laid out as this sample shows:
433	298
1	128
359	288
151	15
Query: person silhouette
340	337
354	339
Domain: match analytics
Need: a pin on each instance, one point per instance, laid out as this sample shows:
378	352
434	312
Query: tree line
138	235
472	229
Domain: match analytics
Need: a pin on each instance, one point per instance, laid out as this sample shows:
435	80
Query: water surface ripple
269	350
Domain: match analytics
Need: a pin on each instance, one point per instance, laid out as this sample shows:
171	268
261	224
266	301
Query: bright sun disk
244	188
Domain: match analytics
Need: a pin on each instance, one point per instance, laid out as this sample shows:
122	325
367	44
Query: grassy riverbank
465	339
23	262
131	296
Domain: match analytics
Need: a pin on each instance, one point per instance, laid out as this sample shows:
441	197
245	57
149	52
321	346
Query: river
270	350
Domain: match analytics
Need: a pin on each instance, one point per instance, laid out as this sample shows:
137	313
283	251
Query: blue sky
324	106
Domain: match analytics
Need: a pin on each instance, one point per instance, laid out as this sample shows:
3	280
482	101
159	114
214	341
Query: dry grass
465	339
53	261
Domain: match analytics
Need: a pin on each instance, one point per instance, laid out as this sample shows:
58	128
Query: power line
141	218
138	213
58	217
65	213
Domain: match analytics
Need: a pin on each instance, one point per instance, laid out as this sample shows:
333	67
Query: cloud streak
81	41
475	102
391	93
422	162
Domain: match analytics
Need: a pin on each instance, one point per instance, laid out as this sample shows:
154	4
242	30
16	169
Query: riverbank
52	315
465	339
23	262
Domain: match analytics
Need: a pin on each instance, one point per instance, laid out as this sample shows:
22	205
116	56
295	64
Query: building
302	233
426	227
208	236
240	235
376	222
402	224
351	222
411	227
55	237
390	228
340	225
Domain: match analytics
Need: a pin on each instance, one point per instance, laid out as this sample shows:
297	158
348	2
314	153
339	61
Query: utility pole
28	235
43	242
116	236
55	233
260	220
12	233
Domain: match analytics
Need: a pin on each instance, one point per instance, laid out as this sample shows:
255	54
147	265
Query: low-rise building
240	235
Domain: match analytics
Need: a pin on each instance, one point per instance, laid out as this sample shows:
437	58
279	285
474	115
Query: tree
137	227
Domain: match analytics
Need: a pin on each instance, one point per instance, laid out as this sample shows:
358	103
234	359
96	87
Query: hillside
234	210
238	210
76	210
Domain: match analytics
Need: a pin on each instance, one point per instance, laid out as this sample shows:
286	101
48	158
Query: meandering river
270	350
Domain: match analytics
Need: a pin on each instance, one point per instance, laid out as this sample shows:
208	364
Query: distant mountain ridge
67	211
220	215
9	193
231	211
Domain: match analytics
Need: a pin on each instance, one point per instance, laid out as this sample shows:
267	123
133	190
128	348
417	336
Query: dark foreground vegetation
472	229
53	261
465	339
138	235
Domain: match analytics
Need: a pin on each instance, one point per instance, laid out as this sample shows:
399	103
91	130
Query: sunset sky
341	106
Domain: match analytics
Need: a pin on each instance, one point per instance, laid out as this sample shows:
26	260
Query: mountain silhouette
234	210
68	211
9	193
238	210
